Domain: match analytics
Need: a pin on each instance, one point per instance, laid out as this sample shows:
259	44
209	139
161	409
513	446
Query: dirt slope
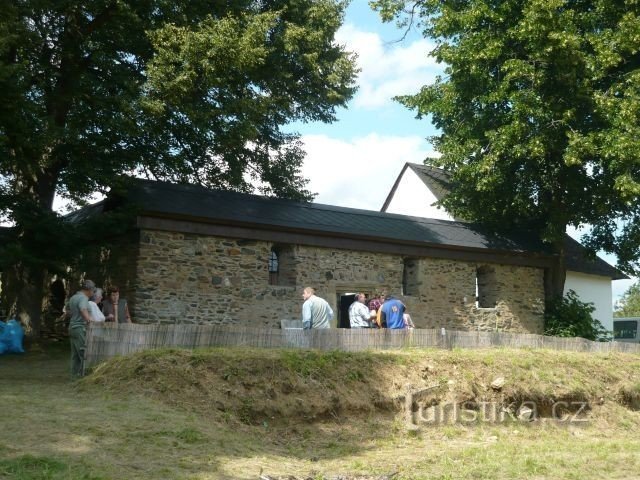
289	386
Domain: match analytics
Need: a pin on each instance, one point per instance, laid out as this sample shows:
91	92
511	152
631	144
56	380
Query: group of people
382	311
88	305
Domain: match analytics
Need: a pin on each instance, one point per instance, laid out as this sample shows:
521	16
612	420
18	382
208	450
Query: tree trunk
555	276
24	282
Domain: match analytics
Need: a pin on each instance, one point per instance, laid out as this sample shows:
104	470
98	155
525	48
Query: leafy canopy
629	304
194	91
539	110
189	91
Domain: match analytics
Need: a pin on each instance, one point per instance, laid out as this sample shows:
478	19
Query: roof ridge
317	206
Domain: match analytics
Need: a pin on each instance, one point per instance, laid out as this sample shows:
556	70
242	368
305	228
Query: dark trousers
77	336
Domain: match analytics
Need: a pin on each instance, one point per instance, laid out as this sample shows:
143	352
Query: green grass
156	416
28	467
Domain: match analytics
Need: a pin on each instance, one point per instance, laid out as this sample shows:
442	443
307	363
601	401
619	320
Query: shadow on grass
60	429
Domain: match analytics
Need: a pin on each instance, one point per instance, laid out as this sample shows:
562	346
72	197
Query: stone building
204	256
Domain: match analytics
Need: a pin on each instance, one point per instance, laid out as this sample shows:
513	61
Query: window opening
486	288
282	266
410	277
274	267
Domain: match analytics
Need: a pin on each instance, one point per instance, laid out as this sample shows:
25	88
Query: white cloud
388	69
360	172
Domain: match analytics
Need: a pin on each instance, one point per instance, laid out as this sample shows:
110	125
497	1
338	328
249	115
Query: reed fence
106	340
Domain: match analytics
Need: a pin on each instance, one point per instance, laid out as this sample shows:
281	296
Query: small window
486	288
625	329
410	277
274	267
282	266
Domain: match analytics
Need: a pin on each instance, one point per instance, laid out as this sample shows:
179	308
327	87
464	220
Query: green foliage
569	317
539	110
629	304
183	91
192	92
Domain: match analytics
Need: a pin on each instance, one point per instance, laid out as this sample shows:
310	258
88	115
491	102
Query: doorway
344	302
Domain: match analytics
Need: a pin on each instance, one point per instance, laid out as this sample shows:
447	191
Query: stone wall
202	279
448	291
185	278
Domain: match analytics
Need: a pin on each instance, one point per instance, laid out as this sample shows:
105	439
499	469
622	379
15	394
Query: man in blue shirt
392	311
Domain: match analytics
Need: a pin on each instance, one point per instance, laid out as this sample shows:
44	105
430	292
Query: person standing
94	310
115	309
391	313
359	314
376	302
316	312
78	308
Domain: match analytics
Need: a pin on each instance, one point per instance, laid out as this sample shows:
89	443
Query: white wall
412	197
595	289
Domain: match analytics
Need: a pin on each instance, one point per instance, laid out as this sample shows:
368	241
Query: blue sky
354	161
379	46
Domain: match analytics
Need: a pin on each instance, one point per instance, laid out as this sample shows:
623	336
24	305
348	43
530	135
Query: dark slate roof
85	212
196	203
436	179
577	260
576	256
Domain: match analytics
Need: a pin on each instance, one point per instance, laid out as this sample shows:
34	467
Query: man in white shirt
316	312
359	314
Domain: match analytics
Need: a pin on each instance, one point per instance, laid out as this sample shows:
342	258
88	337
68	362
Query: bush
569	317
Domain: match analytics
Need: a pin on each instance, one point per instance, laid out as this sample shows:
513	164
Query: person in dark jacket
114	308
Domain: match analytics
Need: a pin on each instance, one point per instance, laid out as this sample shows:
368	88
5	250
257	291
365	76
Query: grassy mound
291	386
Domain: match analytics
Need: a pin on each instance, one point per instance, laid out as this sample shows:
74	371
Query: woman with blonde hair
95	312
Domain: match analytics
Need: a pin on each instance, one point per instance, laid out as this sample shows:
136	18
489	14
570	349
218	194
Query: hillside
289	387
232	414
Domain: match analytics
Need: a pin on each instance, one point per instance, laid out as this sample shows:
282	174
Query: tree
539	110
180	90
569	317
629	304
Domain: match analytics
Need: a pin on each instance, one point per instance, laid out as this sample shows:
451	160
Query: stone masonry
188	278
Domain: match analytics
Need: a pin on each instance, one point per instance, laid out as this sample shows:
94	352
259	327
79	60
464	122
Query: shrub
569	317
